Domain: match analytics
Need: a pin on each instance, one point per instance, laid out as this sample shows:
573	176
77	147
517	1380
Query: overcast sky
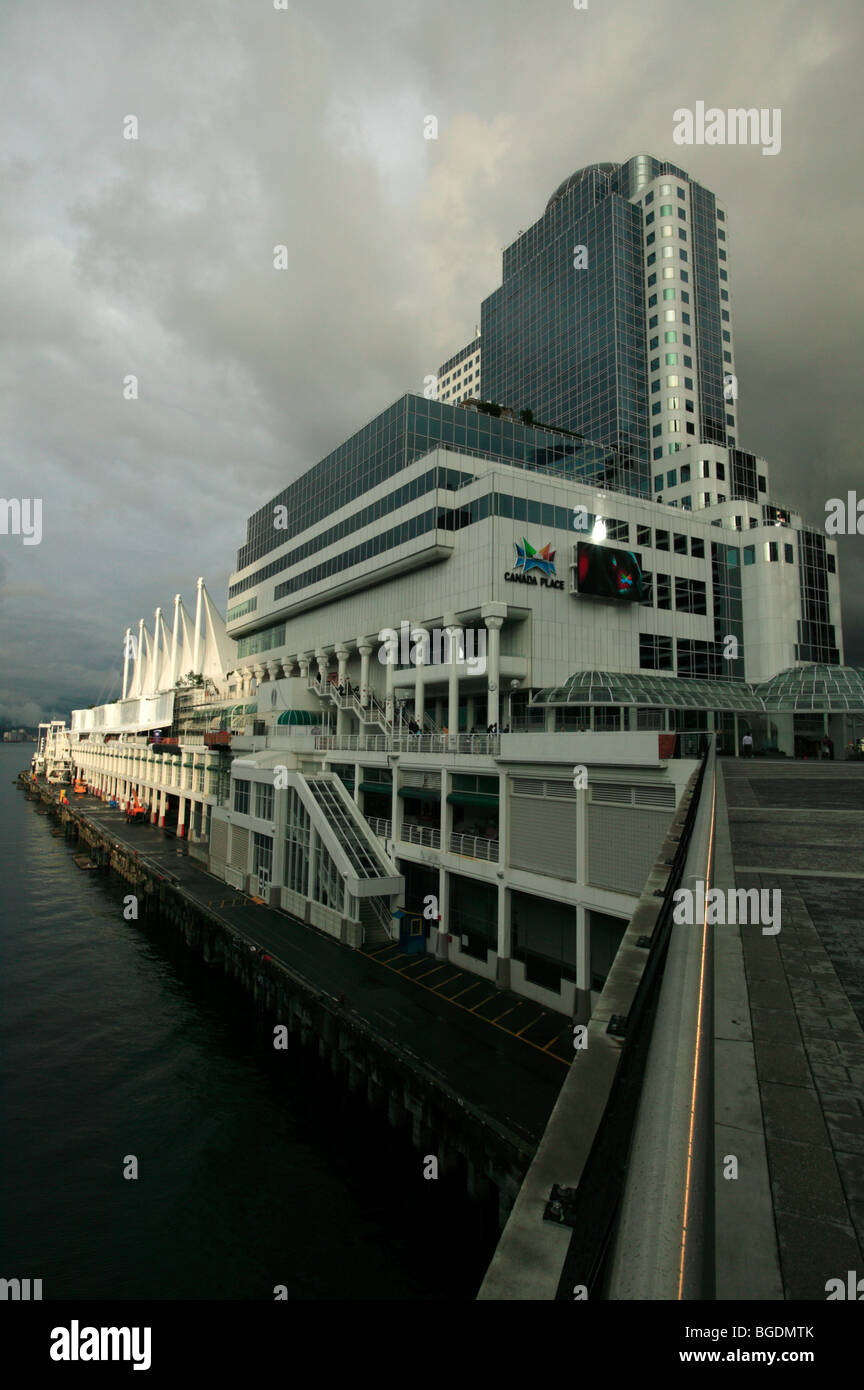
304	126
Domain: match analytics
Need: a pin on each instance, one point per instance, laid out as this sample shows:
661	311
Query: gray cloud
260	127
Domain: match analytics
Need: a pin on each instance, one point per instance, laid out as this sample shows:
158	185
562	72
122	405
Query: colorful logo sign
527	558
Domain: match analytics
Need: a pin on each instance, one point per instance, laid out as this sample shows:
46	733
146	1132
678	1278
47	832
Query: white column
365	650
342	669
455	634
388	691
493	667
420	638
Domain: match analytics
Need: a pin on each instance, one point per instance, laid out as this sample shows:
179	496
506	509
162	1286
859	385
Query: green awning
474	799
383	788
299	716
420	793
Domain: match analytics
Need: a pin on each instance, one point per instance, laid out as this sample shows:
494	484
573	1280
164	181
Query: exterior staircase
373	713
377	921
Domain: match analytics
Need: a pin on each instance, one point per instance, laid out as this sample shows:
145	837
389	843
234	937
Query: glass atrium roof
803	688
808	688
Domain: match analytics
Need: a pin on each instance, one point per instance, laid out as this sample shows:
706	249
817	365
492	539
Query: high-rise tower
614	315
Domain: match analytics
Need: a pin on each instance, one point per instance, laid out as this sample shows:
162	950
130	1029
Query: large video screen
609	573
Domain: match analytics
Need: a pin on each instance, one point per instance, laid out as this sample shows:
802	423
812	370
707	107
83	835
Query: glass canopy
803	688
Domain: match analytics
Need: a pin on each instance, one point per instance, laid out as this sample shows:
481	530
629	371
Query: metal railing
380	827
474	846
642	1219
478	744
414	834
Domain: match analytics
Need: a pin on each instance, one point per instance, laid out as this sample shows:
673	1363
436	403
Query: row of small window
665	192
703	471
661	541
666	210
772	552
667	295
665	231
263	799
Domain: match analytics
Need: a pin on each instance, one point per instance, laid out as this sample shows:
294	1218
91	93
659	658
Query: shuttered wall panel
623	844
239	847
543	836
219	841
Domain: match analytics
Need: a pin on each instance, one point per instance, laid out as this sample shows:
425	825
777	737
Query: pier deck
512	1079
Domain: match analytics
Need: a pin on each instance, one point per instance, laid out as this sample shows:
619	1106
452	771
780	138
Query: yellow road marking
530	1023
437	969
433	989
504	1015
480	1005
473	985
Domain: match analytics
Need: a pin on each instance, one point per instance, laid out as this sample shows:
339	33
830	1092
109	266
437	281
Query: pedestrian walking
747	745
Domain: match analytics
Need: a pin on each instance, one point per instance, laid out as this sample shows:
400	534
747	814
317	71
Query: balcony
412	833
380	827
475	847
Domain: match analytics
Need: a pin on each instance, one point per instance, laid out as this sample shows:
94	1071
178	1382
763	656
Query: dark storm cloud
305	128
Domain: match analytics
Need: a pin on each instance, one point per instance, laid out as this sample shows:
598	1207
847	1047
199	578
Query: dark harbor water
254	1169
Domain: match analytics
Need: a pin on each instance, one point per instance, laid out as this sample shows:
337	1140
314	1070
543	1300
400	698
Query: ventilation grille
653	797
558	789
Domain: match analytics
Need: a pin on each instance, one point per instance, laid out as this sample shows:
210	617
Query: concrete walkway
799	827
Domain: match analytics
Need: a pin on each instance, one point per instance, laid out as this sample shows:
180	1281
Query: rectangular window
673	402
679	543
690	596
263	801
655	386
685	472
652	301
649	219
652	258
665	209
671	359
685	276
643	533
652	279
658	482
668	272
681	213
832	564
787	554
661	540
649	240
763	486
672	478
655	363
669	316
655	653
697	547
653	344
662	584
686	504
241	797
670	336
749	554
771	550
668	294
